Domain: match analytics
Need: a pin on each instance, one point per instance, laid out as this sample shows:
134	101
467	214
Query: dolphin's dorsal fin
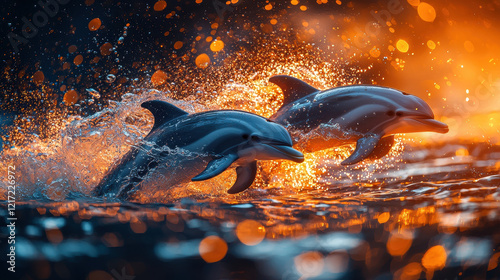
245	177
292	88
163	111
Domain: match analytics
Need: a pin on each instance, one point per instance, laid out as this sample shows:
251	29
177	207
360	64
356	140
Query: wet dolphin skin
183	147
366	115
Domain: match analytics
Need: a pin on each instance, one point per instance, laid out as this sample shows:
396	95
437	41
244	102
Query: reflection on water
431	216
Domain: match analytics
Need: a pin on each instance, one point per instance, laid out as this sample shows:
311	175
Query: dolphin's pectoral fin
292	88
216	167
383	147
364	148
245	176
163	111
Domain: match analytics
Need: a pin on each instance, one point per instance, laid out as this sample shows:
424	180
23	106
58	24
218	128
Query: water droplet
110	78
93	92
127	96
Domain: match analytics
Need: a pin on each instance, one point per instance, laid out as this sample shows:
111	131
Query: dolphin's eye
390	113
399	114
255	138
245	136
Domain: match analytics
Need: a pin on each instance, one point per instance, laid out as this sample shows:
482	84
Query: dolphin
363	114
183	147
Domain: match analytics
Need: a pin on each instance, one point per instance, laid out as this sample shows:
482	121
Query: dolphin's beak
431	125
288	153
416	123
419	120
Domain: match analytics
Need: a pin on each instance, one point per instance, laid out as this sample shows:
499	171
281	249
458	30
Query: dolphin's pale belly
152	168
171	172
310	136
324	136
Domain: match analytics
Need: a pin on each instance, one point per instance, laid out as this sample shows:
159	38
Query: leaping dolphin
183	147
366	114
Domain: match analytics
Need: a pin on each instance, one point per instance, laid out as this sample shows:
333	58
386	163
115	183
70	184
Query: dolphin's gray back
186	131
347	106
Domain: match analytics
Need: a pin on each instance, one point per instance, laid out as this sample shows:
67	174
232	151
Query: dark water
436	216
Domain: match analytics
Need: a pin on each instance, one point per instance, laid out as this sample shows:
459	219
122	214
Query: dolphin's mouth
412	124
288	152
432	125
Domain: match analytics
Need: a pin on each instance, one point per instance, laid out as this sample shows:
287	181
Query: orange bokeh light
426	12
250	232
402	46
106	49
70	97
178	45
434	258
160	5
159	78
95	24
212	249
309	264
216	45
384	217
78	59
38	77
202	61
399	243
